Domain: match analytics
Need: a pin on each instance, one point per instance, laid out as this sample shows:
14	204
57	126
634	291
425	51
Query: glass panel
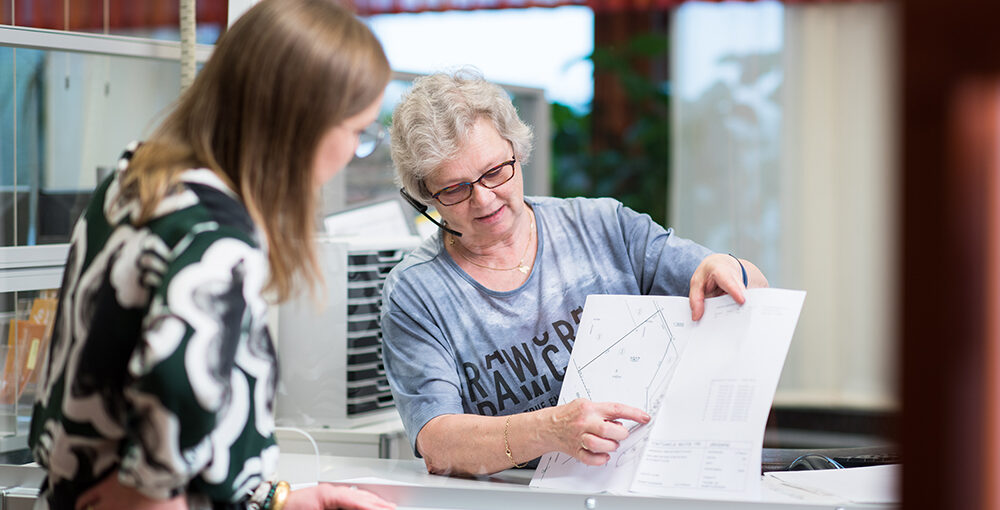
18	68
782	113
75	114
26	325
535	57
29	138
728	84
372	178
7	146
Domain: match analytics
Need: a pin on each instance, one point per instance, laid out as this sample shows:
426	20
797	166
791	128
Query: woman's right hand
327	496
587	430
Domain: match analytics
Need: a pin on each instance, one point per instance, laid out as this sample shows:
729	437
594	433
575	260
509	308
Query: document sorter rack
330	353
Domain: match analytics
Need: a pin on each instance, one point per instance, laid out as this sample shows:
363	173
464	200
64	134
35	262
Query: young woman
159	387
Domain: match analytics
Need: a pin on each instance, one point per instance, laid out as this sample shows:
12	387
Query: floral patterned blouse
160	363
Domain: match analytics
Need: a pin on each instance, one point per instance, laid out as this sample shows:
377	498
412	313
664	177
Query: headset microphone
422	209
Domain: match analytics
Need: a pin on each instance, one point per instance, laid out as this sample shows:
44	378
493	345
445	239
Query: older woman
479	321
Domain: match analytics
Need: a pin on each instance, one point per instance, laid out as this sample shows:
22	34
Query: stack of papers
871	484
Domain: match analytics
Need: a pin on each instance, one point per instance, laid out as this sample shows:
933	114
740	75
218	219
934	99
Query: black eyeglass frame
513	170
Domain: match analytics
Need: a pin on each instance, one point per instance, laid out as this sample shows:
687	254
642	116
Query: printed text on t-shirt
490	389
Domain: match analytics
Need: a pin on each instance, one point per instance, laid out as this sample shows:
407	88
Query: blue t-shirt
453	346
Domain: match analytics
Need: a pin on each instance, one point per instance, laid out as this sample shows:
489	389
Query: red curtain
88	15
370	7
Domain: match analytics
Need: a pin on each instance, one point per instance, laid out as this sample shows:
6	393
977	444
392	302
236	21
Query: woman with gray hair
479	321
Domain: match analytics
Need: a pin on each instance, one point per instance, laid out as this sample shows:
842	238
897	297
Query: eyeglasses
369	139
493	178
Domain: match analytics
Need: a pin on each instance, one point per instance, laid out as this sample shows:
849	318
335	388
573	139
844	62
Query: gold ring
583	446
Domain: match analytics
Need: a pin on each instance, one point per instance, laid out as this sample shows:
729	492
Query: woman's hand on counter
328	496
110	494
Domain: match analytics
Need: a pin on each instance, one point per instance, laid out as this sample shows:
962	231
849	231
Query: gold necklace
521	266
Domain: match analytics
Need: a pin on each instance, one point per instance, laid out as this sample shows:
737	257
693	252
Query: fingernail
646	417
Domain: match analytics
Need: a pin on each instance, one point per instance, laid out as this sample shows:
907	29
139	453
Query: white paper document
870	484
708	386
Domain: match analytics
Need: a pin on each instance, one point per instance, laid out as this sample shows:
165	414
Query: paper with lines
708	386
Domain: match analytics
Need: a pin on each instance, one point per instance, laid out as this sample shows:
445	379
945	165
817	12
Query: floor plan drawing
635	366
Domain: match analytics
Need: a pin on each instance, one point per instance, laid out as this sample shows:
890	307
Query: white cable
311	440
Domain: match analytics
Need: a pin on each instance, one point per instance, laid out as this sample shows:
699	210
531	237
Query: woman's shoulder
423	265
576	208
217	202
198	202
426	254
572	202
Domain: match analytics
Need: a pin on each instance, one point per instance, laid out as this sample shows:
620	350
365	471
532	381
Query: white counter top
407	483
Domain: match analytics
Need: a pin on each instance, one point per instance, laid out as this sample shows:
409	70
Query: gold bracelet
506	445
281	492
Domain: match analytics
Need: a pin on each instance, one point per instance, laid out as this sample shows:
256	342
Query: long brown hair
278	79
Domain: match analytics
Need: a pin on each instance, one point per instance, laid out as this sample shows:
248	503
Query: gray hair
432	121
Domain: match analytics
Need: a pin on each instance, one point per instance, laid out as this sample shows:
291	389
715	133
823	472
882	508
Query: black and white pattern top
160	363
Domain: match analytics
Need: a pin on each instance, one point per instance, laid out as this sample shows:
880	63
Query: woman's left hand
720	274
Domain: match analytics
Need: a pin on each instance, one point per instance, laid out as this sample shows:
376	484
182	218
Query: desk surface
407	483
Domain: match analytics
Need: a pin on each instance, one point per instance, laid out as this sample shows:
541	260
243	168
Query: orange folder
27	344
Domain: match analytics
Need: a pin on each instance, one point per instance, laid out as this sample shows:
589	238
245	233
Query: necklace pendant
523	268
